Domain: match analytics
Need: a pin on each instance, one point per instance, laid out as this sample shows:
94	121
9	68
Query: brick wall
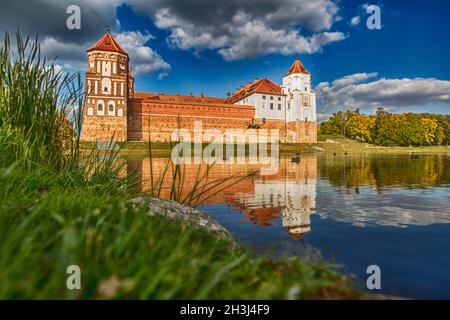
160	120
104	128
145	120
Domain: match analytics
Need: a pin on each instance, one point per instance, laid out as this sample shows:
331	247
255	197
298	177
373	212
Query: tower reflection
284	199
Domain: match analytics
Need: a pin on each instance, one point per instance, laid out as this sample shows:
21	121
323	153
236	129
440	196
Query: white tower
300	100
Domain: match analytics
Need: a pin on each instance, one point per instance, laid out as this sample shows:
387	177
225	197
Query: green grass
342	144
49	221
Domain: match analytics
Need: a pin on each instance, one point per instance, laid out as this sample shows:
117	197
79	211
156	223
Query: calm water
388	210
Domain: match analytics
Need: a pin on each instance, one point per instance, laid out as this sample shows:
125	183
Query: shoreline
350	147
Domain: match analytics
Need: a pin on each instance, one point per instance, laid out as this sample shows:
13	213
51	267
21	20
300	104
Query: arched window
111	108
100	110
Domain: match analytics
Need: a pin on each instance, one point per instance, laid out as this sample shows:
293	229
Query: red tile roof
188	100
260	86
108	43
297	67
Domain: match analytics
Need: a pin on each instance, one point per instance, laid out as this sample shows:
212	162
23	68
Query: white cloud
236	29
355	21
143	58
364	91
244	29
48	19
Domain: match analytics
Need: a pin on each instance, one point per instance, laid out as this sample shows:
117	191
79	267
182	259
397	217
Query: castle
113	110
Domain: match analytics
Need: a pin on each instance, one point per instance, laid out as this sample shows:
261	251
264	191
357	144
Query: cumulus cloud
144	59
236	29
366	91
245	28
48	20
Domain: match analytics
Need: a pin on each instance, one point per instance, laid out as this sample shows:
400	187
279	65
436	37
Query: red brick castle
113	109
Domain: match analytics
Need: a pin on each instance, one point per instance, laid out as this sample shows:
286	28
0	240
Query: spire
108	43
297	67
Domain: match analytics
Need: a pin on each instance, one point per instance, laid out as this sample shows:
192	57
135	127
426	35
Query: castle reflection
287	196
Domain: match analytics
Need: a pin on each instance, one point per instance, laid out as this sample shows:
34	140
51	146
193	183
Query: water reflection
289	194
362	190
386	190
390	210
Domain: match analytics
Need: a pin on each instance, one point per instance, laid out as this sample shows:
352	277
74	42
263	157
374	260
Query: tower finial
108	29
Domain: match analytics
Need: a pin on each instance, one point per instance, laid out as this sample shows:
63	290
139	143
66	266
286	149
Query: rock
174	210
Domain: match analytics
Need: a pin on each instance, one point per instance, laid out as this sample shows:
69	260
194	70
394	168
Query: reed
36	99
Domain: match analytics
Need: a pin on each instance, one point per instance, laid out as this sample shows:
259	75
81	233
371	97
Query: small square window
271	106
271	97
279	98
279	106
264	97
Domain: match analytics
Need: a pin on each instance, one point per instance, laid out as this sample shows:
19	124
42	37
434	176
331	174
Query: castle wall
160	120
157	121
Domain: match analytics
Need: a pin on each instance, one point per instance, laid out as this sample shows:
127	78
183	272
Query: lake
353	210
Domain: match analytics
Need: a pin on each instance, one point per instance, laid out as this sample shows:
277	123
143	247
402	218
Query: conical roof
297	67
107	43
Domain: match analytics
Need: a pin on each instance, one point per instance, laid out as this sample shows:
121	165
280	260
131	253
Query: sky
213	47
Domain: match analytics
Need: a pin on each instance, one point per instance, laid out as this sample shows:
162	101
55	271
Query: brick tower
109	85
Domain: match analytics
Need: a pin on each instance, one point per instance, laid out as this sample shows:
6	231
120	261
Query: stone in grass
174	210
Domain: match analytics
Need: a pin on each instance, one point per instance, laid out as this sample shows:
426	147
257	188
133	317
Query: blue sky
213	47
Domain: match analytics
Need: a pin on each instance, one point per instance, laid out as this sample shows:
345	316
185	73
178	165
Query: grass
63	207
340	144
49	221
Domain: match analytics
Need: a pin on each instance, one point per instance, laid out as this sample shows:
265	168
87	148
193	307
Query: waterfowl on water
413	156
